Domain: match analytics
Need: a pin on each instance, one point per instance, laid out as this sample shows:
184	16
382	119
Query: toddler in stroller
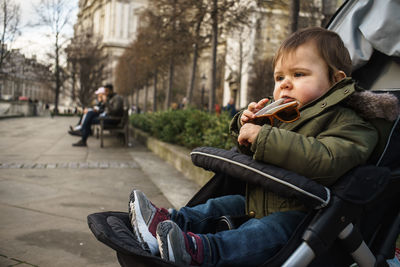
325	140
324	143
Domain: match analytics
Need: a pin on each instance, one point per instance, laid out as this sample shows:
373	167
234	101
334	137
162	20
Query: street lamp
203	85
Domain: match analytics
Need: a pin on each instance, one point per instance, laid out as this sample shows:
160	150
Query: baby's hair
328	44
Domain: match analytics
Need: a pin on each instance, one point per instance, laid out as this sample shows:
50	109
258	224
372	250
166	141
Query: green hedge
189	127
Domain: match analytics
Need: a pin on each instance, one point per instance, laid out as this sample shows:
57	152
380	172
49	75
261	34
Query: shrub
190	127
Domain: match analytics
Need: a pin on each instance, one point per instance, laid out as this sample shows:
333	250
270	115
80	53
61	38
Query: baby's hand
248	133
252	108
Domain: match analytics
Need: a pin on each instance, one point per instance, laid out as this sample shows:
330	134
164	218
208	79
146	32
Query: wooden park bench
121	128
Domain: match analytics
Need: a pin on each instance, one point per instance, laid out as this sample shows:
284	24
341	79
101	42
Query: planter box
177	156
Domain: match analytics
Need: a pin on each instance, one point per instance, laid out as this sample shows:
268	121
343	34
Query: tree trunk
57	76
137	100
294	15
237	96
170	83
73	74
146	94
132	98
171	62
3	35
189	93
155	91
214	45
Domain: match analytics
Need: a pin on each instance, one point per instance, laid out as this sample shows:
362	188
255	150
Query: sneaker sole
132	214
163	245
141	229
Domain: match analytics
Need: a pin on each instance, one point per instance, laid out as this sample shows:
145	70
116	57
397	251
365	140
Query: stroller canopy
365	25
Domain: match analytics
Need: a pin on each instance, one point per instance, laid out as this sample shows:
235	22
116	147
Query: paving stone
73	165
93	165
4	166
63	165
40	166
15	166
124	165
114	165
51	166
29	165
70	165
83	165
103	165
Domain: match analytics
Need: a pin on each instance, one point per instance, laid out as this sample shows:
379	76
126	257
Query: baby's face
301	75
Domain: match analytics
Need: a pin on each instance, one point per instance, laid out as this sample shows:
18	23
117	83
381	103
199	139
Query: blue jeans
251	244
90	119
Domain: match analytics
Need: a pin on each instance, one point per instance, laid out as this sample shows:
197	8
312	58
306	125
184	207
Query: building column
126	10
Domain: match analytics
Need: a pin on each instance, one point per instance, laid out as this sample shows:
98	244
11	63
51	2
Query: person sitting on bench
114	107
98	108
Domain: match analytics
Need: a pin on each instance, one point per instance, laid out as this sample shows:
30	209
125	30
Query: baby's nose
286	83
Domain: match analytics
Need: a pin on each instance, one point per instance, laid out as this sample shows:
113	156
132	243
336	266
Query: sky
33	40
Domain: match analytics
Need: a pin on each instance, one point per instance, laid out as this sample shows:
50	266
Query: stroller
357	220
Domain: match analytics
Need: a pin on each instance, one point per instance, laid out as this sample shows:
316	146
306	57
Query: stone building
113	22
25	78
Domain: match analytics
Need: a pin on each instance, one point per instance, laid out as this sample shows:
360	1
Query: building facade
25	78
113	22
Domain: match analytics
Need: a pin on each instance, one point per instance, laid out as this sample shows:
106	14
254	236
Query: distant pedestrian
230	107
183	103
217	109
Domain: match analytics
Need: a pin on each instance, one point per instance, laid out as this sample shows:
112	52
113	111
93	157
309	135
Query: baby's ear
339	75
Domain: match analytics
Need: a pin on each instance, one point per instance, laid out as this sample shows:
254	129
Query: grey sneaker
182	248
144	217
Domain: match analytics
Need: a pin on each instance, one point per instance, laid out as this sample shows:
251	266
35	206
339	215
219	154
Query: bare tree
87	66
9	17
55	15
238	62
225	15
142	60
174	36
199	41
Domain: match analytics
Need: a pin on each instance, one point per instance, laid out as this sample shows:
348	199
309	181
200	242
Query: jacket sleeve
234	129
345	142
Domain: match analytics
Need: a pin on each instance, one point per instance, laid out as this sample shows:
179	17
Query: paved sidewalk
48	187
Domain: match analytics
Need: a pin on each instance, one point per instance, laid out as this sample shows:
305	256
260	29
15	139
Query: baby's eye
298	74
278	78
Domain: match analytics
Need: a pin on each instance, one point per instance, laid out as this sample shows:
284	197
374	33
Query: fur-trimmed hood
371	105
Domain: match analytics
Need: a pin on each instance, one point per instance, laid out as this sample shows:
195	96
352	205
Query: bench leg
126	135
97	127
101	133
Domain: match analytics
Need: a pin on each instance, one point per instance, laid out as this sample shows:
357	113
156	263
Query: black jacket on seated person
114	105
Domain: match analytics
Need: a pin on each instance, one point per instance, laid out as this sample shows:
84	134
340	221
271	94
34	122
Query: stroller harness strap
245	168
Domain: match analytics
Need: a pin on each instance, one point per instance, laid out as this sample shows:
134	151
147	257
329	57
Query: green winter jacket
328	140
